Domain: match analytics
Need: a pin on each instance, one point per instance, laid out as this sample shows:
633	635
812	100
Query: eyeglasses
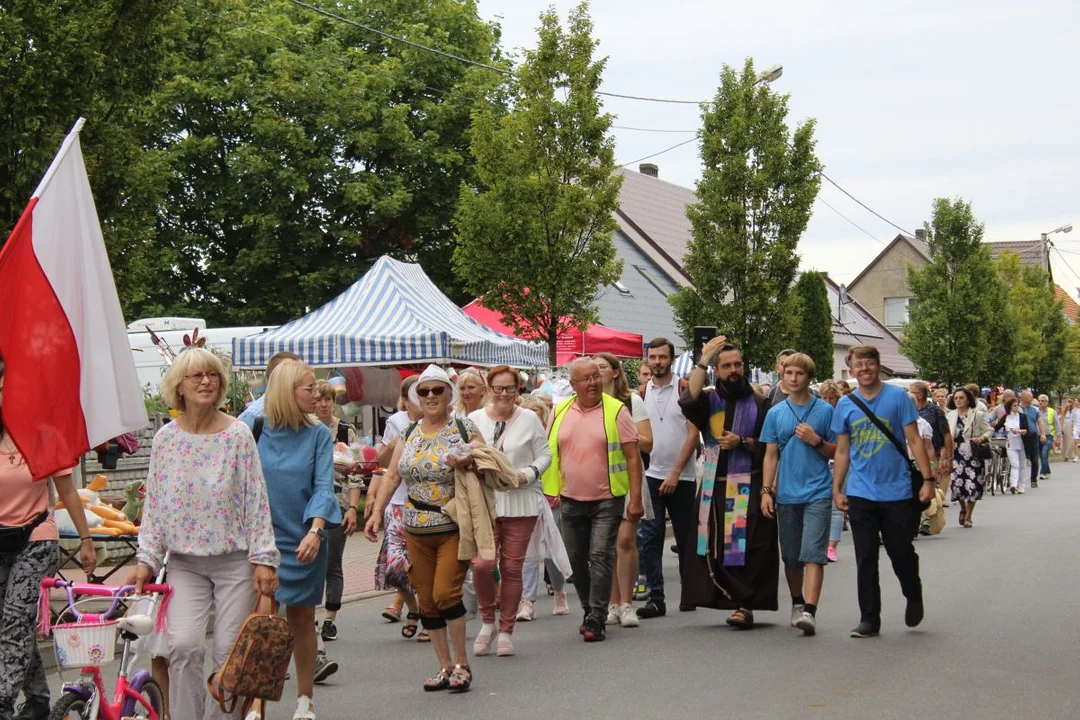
309	388
864	366
436	391
213	376
500	389
595	377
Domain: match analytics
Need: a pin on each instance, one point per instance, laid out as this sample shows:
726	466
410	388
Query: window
645	273
621	288
896	310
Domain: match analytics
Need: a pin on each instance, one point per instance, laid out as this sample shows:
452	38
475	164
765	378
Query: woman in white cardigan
519	434
969	428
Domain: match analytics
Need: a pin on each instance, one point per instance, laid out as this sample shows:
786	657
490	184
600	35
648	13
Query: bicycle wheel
70	707
151	693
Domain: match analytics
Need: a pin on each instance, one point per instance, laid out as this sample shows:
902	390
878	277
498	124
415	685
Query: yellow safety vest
618	474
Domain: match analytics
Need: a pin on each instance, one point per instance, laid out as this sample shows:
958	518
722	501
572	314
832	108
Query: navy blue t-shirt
877	471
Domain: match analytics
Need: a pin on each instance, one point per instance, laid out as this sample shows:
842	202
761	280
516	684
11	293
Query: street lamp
772	73
1046	244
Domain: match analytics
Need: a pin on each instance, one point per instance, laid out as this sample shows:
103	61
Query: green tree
815	337
535	232
99	59
947	335
998	364
1070	371
754	200
1041	330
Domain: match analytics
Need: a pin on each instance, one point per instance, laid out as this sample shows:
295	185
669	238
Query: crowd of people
486	487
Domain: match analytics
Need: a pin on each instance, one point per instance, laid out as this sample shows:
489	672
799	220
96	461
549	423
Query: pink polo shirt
583	451
22	499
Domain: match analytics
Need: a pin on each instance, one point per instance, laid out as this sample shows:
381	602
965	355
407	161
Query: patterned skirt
392	568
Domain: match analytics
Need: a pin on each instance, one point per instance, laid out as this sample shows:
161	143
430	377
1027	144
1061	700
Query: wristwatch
318	532
820	442
701	366
770	490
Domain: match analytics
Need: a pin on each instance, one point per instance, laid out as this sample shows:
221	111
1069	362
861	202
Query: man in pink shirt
595	470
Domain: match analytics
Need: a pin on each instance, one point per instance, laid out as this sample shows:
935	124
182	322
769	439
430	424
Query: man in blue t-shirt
799	443
879	498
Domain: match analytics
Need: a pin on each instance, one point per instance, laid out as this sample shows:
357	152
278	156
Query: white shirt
525	443
1016	441
669	430
395	424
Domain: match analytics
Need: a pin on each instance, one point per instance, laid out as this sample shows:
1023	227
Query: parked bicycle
88	641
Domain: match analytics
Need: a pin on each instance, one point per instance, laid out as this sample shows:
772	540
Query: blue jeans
589	531
1044	454
680	506
804	532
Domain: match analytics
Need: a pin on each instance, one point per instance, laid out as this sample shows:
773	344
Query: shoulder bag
979	451
256	666
13	540
916	474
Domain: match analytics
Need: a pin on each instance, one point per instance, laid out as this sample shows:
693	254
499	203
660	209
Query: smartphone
702	335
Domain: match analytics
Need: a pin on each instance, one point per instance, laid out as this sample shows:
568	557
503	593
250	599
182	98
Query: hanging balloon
338	384
352	409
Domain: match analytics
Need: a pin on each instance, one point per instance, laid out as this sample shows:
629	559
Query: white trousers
221	582
1016	471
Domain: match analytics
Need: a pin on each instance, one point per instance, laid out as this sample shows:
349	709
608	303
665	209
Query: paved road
999	641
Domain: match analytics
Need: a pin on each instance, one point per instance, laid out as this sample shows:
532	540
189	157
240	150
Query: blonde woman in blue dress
297	456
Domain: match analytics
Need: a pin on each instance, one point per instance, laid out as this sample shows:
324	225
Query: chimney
649	169
920	234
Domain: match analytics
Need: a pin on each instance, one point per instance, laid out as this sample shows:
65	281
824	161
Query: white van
149	363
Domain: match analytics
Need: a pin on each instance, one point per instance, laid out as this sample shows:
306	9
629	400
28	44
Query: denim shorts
804	532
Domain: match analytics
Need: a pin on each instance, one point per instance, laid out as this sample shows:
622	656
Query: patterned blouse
429	483
205	496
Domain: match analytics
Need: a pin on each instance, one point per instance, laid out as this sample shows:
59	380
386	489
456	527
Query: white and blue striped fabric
683	365
394	315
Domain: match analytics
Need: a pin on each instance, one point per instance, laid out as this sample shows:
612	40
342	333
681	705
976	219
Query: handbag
913	468
979	451
256	666
14	539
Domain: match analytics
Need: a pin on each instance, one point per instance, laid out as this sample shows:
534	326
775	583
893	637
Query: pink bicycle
90	641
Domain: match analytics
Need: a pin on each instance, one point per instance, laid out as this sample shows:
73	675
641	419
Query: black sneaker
34	708
865	630
683	607
329	630
652	609
324	668
584	624
913	615
924	528
594	631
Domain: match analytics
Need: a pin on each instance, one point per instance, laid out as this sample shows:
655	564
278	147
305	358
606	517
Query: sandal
962	516
392	613
423	636
408	630
460	679
742	619
441	681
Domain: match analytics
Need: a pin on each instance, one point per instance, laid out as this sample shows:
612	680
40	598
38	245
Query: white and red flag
69	381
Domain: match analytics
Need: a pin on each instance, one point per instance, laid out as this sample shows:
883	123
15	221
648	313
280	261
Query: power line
864	205
648	99
665	150
850	221
653	130
1066	263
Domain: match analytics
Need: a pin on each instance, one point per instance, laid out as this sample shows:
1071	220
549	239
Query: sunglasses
436	391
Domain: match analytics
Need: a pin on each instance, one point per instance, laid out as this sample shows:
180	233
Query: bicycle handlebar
116	592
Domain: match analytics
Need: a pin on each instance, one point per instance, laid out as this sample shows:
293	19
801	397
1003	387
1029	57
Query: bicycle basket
81	644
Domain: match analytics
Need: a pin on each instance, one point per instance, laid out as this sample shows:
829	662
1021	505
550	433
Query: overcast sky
913	100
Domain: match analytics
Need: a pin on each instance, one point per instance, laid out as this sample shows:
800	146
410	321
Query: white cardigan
525	442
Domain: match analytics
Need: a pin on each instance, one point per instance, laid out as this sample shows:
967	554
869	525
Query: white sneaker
562	606
796	614
614	617
807	623
1021	490
305	709
628	616
526	611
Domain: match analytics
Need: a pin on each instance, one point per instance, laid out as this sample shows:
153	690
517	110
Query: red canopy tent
571	344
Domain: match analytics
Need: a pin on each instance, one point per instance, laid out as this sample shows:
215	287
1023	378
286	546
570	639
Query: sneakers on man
865	630
329	630
652	609
628	616
35	708
562	607
806	622
324	668
641	590
526	611
796	613
913	615
584	624
594	631
1021	490
613	614
831	554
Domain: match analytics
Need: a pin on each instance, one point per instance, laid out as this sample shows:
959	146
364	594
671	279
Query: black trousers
892	521
1031	450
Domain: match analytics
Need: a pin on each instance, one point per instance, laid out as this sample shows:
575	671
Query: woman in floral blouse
206	505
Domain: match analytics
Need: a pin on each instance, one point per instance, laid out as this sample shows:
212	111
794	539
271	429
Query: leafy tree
99	59
947	335
1041	330
754	200
535	232
1070	371
815	337
998	364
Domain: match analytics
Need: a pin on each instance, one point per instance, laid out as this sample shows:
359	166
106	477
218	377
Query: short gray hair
919	389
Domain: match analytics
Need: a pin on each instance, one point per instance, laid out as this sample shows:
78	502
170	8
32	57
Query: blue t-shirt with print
804	474
878	471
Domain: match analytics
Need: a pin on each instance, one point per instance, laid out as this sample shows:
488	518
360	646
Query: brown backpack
258	662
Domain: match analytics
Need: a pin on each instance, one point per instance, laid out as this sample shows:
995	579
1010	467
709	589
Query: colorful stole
737	496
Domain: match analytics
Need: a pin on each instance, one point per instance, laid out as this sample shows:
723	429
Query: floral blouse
429	483
205	496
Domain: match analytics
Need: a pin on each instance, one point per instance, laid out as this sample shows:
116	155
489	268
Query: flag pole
68	141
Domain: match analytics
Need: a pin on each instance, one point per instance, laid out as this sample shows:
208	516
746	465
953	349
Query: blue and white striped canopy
683	364
394	315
